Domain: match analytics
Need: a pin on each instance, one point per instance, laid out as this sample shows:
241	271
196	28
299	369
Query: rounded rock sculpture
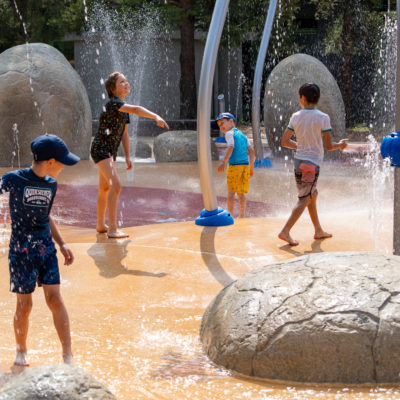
41	93
179	146
329	317
60	381
282	92
142	149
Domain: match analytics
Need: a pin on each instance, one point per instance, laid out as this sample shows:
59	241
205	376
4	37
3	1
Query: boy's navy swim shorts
32	261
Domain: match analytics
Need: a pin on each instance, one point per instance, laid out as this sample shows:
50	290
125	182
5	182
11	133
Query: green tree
184	13
38	21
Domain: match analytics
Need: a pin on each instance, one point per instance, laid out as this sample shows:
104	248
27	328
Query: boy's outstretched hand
67	253
343	144
221	168
161	123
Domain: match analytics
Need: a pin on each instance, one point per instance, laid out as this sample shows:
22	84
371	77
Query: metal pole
396	205
204	104
255	106
221	104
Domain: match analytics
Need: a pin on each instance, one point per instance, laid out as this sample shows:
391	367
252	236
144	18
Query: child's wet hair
110	83
311	92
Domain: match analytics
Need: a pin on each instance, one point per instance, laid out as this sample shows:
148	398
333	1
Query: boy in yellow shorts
240	155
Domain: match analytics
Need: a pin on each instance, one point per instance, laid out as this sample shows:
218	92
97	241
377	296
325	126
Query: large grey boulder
40	92
141	148
282	92
60	381
329	317
179	146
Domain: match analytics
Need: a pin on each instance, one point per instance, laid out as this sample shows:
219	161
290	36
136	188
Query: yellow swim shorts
238	178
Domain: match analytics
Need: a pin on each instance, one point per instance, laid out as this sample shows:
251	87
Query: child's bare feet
322	235
68	359
116	234
288	238
102	228
21	359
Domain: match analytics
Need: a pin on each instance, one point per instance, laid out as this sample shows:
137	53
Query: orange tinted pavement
136	305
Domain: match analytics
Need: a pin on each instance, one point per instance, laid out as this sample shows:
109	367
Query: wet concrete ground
136	305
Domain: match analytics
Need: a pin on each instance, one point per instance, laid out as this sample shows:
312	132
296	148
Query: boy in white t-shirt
310	126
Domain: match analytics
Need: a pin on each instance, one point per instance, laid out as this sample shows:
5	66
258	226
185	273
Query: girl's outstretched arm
144	112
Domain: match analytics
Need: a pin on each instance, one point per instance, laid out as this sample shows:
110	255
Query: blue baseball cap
227	115
49	146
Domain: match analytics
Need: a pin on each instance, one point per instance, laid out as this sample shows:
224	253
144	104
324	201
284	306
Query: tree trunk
346	62
188	78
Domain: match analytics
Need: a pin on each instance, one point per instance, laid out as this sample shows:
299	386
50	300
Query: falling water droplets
379	196
16	145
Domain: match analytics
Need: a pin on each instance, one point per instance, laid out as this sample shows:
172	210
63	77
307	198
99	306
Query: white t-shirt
308	125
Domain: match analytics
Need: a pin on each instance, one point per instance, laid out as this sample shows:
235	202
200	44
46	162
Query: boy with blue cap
240	156
32	254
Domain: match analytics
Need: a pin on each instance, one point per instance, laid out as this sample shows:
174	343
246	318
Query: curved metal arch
205	93
255	105
204	103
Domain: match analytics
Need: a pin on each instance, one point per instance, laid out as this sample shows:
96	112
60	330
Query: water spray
390	148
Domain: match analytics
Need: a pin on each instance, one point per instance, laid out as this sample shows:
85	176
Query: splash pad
144	343
136	305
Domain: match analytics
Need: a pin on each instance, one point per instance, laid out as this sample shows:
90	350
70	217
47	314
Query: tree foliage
38	21
353	29
360	27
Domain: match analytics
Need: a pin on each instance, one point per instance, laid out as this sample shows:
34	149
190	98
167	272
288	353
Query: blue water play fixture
220	139
390	147
218	217
265	163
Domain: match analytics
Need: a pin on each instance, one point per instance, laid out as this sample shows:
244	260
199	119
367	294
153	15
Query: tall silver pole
255	106
396	210
204	104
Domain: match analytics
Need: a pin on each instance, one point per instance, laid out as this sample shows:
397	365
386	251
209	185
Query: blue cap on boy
49	146
226	115
214	124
